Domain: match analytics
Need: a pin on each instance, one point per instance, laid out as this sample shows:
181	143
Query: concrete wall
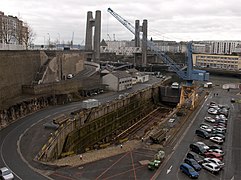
17	68
64	64
55	144
72	63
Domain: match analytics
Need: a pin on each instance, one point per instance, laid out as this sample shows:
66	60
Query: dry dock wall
86	127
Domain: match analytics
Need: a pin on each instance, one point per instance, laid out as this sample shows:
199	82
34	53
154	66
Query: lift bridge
186	73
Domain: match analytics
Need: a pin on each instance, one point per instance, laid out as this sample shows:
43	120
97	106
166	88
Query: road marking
112	165
185	132
169	170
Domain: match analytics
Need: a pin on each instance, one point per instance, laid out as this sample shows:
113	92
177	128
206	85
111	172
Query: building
117	81
167	46
126	48
201	48
227	62
138	77
221	47
12	30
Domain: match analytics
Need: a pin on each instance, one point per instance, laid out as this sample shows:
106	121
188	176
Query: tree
28	35
7	32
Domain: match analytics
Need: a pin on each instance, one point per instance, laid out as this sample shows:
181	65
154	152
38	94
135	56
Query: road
232	146
18	155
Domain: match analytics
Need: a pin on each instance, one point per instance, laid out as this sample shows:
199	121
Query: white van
175	85
70	76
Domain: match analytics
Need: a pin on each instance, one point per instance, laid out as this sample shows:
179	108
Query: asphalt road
232	146
22	164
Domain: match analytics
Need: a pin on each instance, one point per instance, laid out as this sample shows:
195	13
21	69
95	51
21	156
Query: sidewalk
98	154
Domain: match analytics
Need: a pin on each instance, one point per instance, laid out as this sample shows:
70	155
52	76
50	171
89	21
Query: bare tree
7	32
28	35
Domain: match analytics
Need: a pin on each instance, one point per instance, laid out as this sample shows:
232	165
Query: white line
185	132
169	170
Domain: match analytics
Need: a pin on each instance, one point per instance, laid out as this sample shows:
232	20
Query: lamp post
58	41
44	43
49	40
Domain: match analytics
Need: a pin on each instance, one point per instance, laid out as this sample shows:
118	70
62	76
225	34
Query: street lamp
44	43
58	41
49	39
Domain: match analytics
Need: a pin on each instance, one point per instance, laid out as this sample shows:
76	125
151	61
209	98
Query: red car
214	155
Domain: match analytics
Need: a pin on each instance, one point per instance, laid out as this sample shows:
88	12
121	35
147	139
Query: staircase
43	69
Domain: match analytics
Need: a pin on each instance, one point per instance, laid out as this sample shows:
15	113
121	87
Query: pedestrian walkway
95	155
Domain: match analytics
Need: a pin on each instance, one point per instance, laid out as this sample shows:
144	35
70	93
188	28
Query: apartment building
12	30
218	47
227	62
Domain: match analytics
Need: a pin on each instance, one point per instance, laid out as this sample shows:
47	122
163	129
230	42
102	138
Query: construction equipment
186	73
158	159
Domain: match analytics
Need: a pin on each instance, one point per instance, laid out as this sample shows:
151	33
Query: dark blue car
193	163
188	170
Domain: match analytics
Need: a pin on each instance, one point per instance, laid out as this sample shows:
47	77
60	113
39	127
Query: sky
178	20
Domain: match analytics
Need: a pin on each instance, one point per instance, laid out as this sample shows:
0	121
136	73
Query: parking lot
231	145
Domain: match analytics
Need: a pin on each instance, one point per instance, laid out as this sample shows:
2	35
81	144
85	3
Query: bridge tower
96	23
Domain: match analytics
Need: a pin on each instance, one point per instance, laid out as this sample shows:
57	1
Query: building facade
216	47
226	62
12	30
118	81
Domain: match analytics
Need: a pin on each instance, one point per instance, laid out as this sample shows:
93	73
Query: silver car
6	174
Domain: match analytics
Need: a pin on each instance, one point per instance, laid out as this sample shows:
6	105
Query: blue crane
187	73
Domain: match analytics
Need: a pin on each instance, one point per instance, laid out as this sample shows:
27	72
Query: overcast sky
179	20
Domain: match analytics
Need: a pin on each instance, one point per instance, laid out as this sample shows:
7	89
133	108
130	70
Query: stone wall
79	119
17	68
63	64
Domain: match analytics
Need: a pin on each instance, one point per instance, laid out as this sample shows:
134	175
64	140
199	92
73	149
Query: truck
158	159
90	103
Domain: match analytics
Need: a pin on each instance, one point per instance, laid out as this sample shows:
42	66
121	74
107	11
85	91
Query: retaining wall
84	118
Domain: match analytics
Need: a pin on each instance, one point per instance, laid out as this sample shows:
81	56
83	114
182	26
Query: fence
11	47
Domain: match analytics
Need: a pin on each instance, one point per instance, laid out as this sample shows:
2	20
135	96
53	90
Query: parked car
6	174
218	135
195	156
212	111
212	167
215	146
219	151
70	76
224	106
206	124
221	116
202	133
209	119
219	130
224	112
213	155
219	124
199	149
232	100
214	160
212	103
188	170
193	163
203	144
221	121
217	140
206	128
